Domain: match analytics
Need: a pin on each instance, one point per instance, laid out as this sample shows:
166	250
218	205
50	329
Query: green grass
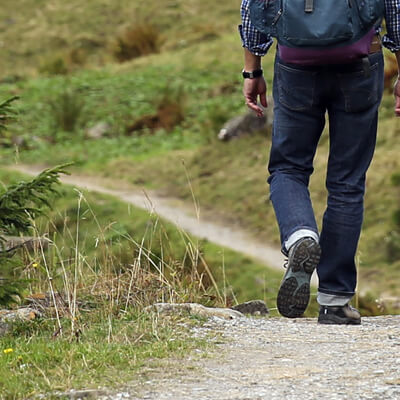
104	351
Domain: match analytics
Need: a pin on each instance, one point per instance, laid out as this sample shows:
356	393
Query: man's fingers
254	106
397	106
263	99
252	89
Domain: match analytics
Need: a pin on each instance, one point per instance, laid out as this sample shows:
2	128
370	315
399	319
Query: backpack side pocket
370	11
264	15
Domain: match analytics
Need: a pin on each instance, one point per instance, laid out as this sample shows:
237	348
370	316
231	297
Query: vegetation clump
67	108
140	39
170	112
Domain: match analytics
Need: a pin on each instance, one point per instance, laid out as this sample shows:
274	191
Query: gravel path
277	358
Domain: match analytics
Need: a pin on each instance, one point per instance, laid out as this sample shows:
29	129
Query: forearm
253	62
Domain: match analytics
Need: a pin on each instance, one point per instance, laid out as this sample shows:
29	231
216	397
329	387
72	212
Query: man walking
305	88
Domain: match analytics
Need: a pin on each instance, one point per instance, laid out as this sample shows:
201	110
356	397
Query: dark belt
376	45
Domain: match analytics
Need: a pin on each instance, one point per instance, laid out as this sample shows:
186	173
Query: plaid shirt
259	43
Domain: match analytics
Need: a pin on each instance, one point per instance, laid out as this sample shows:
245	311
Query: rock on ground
252	307
247	123
195	309
7	317
276	358
99	130
12	243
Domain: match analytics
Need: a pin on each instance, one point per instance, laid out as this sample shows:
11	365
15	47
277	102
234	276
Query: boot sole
294	292
335	320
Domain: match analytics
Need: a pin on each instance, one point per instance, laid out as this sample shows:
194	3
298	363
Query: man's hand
396	92
253	88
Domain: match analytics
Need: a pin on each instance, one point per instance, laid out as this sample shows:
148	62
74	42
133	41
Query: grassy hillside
196	71
34	33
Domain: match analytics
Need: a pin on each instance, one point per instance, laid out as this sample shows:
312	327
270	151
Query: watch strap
252	74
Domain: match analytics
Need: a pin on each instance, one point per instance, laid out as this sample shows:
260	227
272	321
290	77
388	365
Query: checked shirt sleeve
256	42
392	17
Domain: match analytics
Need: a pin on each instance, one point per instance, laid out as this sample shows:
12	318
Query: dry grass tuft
138	40
64	63
170	113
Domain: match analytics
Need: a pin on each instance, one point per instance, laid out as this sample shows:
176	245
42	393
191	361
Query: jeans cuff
324	299
336	292
299	234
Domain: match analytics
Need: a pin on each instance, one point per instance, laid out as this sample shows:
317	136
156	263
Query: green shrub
19	205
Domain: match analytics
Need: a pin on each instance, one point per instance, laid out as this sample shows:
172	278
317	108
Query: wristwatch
253	74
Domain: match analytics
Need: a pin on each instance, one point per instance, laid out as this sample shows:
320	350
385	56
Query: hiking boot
294	293
339	315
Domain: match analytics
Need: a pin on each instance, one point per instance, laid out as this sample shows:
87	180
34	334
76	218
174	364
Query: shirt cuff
390	44
258	49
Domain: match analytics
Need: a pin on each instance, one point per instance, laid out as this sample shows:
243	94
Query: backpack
316	24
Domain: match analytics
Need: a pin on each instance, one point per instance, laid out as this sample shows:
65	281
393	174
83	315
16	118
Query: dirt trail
179	214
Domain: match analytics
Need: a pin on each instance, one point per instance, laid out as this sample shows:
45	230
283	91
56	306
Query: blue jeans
302	97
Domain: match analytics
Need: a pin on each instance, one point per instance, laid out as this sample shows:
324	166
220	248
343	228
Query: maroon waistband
337	55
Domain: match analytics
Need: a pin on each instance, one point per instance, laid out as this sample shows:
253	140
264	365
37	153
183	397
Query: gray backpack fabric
316	23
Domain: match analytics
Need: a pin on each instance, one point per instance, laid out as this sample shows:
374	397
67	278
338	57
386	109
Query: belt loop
366	67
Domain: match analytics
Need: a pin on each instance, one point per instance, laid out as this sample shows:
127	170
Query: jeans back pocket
295	87
359	90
